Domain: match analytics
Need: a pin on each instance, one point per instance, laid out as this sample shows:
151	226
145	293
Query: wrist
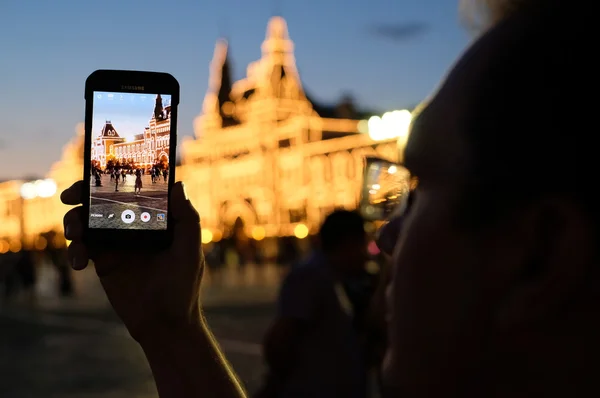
161	336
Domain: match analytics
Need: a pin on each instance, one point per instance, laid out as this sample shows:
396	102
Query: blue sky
50	47
129	113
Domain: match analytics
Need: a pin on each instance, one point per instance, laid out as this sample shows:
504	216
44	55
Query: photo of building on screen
145	149
130	169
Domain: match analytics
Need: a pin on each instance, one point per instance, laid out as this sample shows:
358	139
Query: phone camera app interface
130	161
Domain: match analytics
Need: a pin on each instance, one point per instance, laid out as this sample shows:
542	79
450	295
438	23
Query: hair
339	228
482	14
530	123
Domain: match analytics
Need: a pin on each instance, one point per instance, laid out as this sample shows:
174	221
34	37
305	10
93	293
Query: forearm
188	363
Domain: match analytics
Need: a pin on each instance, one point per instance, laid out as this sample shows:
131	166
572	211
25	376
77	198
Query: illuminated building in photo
140	149
269	157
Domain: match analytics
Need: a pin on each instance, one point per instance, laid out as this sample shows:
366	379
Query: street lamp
392	125
38	189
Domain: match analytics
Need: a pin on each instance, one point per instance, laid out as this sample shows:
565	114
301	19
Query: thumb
185	216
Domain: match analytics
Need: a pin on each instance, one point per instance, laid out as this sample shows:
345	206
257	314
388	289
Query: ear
558	248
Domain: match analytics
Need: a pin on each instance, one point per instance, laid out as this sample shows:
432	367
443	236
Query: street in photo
109	208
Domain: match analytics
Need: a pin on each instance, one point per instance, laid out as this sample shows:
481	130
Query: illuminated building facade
267	155
23	220
140	150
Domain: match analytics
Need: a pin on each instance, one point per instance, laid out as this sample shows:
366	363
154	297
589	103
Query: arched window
317	168
327	172
340	164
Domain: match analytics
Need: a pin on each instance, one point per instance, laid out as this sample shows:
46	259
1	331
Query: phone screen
386	186
129	182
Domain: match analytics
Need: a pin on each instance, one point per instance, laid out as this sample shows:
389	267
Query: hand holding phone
130	149
147	289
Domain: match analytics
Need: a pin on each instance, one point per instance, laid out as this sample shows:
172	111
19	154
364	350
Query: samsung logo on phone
136	88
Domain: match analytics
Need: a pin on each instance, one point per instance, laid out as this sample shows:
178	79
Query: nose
388	235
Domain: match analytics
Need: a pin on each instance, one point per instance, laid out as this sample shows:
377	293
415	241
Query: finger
78	255
181	208
186	219
73	195
73	224
106	261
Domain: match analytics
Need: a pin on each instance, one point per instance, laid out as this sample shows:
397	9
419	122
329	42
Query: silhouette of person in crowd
57	255
496	277
26	270
17	274
317	344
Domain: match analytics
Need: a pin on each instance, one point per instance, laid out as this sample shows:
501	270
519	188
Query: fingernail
185	194
79	264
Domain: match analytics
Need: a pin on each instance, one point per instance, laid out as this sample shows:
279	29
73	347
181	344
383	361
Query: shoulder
311	272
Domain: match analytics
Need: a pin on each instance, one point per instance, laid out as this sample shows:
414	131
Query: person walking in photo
138	182
116	177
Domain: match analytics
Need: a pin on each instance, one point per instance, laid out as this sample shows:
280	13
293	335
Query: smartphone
385	190
129	159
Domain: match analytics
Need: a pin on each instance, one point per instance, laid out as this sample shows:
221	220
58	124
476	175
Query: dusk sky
129	113
389	54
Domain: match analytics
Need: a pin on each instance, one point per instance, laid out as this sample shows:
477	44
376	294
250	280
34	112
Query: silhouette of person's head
343	239
496	279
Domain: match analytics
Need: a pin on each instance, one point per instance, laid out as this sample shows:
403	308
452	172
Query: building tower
158	108
280	74
217	109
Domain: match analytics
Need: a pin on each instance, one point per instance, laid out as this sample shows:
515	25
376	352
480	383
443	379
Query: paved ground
78	348
106	201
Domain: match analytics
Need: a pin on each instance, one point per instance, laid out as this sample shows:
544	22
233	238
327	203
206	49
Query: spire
226	81
220	82
109	131
217	65
277	39
280	72
158	108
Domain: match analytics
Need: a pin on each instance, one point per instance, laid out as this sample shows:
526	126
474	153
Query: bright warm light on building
4	246
28	191
391	125
301	231
45	188
363	127
207	236
392	169
258	233
217	236
40	188
15	246
59	241
41	243
228	108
